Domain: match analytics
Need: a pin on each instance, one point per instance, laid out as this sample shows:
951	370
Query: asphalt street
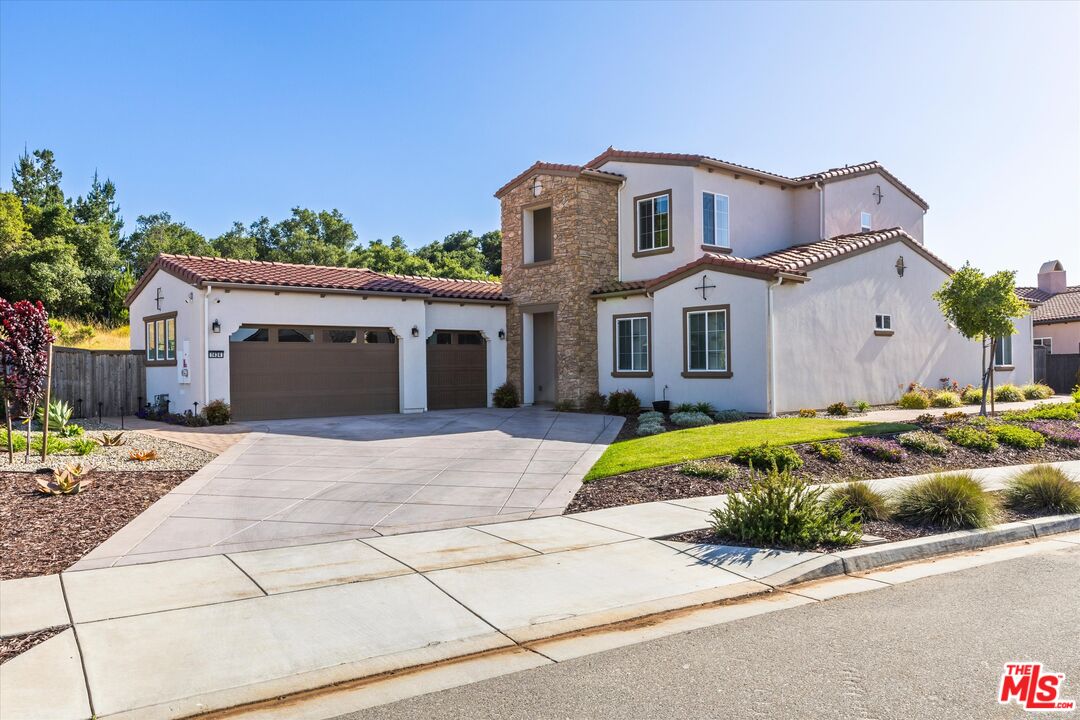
928	649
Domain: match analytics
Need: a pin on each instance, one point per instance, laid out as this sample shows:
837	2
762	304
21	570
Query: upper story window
1045	342
883	322
1003	356
654	222
537	235
864	221
715	228
161	339
632	344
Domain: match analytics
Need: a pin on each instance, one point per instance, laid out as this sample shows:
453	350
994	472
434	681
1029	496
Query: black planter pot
662	406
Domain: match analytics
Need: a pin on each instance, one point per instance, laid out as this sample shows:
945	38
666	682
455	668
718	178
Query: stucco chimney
1052	277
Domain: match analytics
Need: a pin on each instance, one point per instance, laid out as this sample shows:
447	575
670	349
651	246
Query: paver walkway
289	482
895	414
180	637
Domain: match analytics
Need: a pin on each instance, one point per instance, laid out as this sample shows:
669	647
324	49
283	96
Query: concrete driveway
292	482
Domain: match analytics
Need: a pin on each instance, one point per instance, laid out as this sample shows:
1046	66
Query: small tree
982	307
25	338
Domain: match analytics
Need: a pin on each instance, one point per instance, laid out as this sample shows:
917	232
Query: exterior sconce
415	331
502	334
215	326
900	266
538	187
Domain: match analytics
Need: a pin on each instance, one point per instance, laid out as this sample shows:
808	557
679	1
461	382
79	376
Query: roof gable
199	271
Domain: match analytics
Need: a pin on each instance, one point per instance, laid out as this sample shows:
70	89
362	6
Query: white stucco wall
845	200
826	349
233	308
745	390
761	216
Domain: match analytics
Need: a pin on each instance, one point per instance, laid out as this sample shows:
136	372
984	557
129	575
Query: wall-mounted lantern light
900	266
415	331
502	334
215	326
538	187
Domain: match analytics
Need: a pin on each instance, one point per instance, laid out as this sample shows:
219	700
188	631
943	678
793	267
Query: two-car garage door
293	372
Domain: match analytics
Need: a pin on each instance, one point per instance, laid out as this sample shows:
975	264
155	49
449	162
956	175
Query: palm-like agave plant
143	455
68	480
108	440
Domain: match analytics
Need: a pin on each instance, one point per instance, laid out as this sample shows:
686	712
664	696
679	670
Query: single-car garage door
456	370
291	372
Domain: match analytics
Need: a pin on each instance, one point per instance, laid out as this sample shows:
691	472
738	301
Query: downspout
770	384
206	345
821	209
618	229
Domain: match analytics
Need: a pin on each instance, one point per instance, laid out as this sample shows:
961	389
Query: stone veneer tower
584	256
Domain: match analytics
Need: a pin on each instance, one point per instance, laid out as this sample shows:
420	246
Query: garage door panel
312	379
457	370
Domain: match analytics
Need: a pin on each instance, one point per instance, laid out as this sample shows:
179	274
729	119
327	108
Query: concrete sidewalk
181	637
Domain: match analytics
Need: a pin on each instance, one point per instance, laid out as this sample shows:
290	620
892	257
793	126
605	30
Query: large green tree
982	308
36	179
158	233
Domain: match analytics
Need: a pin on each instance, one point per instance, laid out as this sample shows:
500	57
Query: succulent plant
108	440
68	480
143	455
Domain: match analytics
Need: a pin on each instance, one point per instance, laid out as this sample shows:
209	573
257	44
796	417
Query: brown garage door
456	370
291	372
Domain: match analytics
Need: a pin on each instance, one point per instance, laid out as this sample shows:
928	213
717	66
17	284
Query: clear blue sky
407	117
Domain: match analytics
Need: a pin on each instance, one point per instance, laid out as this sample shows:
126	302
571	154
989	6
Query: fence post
45	414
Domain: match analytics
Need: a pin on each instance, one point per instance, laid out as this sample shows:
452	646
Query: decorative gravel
16	644
43	534
171	455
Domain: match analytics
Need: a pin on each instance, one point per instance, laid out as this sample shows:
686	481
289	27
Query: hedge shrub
914	400
623	402
767	457
1018	437
971	437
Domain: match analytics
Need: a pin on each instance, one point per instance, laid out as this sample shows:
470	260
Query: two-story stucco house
686	278
679	277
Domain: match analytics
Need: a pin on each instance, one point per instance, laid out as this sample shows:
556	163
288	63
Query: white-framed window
1045	343
1003	356
707	340
716	225
161	339
632	344
883	321
864	221
654	223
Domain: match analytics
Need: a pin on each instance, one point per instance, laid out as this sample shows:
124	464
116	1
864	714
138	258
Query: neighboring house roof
792	261
558	169
1059	307
840	173
203	270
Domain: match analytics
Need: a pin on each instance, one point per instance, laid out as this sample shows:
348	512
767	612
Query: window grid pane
660	222
723	236
708	214
645	225
159	333
170	339
707	341
632	345
151	344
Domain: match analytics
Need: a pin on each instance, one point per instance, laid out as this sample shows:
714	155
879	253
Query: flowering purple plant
885	450
1059	434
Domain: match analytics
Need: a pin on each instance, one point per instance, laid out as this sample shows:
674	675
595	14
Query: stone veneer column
584	257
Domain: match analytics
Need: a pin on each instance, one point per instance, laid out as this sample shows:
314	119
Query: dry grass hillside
90	336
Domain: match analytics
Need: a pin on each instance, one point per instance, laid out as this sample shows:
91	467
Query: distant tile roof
557	169
201	270
1053	307
692	159
794	260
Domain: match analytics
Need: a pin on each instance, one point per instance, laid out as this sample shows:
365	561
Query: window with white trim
632	344
715	228
161	340
654	223
864	221
1003	356
882	322
706	341
1044	343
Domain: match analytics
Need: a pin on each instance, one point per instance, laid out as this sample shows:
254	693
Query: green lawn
694	443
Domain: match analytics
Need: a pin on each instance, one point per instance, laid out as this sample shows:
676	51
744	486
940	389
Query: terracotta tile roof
1053	307
692	159
556	169
202	270
794	260
809	255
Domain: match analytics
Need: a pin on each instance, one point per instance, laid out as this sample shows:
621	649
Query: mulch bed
12	646
667	483
43	534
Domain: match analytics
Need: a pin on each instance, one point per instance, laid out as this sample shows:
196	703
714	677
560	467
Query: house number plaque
216	354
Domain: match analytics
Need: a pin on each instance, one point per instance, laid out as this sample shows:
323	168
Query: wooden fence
84	378
1059	371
